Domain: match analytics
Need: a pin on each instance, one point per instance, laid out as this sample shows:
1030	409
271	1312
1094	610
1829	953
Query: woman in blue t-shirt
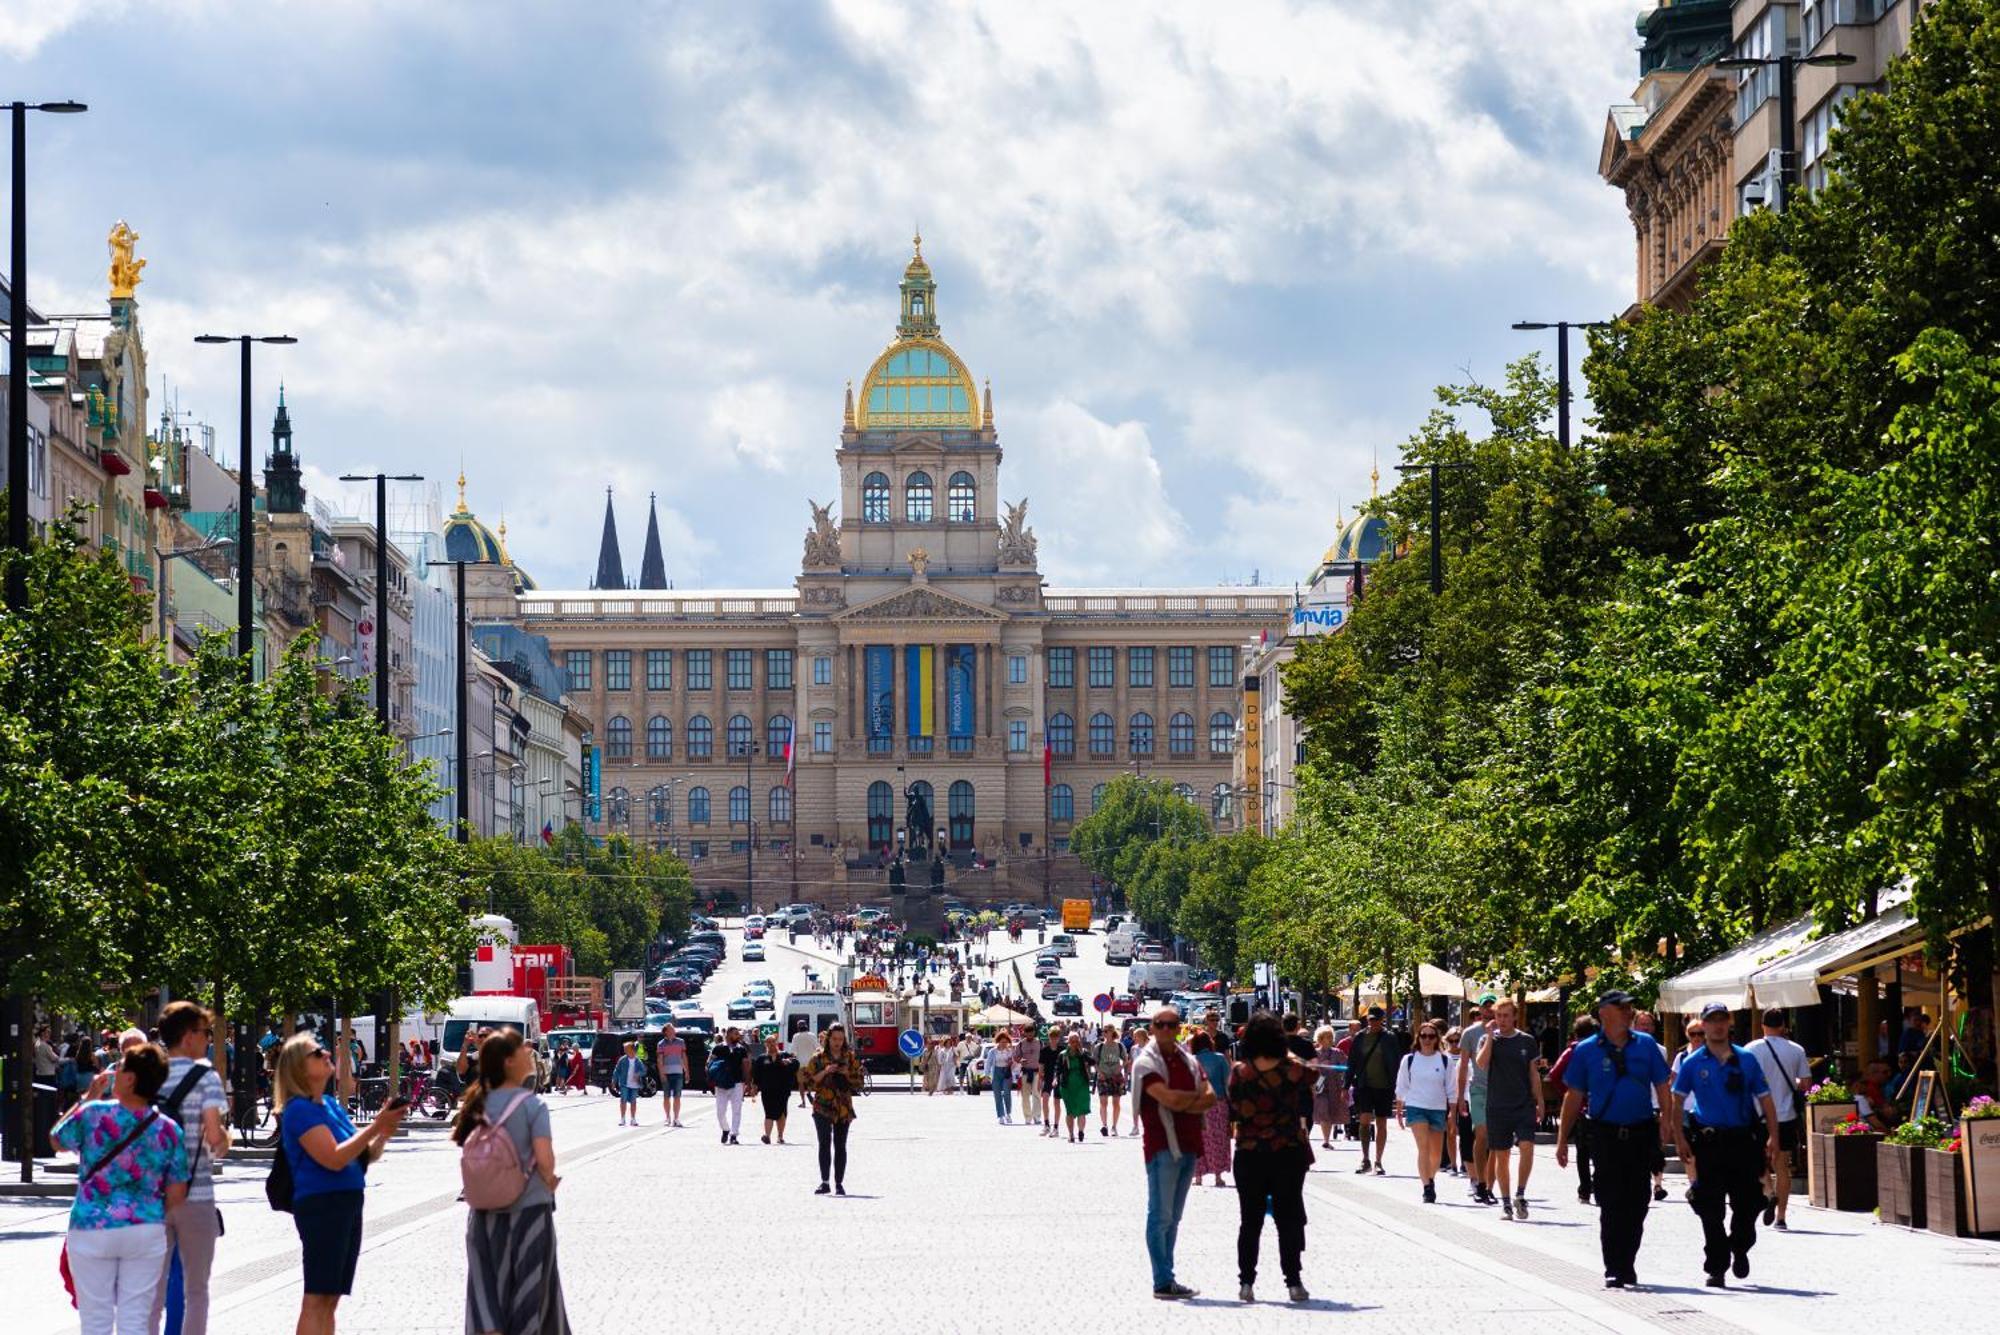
328	1159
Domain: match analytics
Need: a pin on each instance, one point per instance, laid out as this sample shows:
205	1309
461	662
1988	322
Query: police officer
1730	1133
1619	1081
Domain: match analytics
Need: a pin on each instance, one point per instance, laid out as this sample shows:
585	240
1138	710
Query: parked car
1069	1003
670	988
753	950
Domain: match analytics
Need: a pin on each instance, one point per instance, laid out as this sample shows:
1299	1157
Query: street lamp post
1437	519
381	481
1562	328
246	501
750	831
17	350
1787	66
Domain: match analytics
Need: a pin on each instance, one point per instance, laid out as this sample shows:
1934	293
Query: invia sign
1318	620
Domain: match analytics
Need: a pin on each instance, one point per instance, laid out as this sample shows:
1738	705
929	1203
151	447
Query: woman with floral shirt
130	1171
1273	1150
830	1079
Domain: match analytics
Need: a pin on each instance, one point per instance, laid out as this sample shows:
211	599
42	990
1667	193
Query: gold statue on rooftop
124	265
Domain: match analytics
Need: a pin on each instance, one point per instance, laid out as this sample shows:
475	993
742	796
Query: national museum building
918	660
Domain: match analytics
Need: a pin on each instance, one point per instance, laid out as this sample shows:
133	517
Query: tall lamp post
1437	519
1787	66
381	481
750	831
17	349
1562	328
246	502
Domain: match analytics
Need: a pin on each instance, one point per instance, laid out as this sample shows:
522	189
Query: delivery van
1076	915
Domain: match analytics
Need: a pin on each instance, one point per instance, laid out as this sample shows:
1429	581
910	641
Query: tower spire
284	484
653	565
610	565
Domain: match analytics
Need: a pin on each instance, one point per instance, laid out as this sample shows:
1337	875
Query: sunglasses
1425	1033
1166	1024
323	1054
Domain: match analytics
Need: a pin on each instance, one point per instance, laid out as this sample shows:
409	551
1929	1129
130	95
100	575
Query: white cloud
1098	500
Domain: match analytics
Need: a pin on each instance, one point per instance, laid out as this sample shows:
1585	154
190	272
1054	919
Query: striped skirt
511	1282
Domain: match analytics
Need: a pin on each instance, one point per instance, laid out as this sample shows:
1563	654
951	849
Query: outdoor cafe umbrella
997	1016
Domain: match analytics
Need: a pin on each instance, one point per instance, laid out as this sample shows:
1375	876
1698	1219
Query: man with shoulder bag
192	1096
1788	1075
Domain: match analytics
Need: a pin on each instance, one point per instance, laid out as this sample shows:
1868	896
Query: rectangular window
617	669
1017	735
822	671
659	669
823	737
697	849
576	667
1103	667
1221	665
1139	667
1017	669
1180	666
778	669
1062	668
701	669
739	669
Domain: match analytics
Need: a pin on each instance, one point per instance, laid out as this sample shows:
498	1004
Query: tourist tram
873	1013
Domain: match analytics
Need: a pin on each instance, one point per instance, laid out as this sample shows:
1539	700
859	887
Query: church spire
653	565
610	565
284	485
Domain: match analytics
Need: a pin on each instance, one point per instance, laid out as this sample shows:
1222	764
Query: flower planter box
1944	1194
1824	1117
1980	1155
1899	1183
1841	1172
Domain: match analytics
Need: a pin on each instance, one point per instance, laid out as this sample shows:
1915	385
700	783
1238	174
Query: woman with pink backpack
508	1164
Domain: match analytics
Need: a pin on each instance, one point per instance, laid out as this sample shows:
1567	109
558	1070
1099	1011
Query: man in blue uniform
1730	1131
1619	1080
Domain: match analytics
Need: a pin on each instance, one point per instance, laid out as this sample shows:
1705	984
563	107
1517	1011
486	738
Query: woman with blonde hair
327	1158
512	1286
1330	1093
1113	1075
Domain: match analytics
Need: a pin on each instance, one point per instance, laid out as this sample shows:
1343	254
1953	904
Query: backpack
170	1104
724	1073
489	1165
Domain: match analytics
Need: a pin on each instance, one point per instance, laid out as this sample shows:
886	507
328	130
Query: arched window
701	738
1184	791
777	731
1096	798
1062	734
617	809
1103	735
1221	733
618	738
697	806
960	798
740	733
1221	802
1180	735
739	805
1062	803
917	498
881	815
875	499
962	499
659	738
780	805
660	804
1142	734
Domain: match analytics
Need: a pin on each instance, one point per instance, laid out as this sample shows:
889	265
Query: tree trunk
218	1041
23	1082
1866	1005
1993	954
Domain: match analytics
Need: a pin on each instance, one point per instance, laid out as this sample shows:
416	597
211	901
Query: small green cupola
919	296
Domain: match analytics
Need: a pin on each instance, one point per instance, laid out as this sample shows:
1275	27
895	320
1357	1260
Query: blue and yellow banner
920	676
961	661
881	687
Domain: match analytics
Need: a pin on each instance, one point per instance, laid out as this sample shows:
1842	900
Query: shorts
675	1082
1374	1102
1430	1117
1475	1103
1111	1083
1508	1127
1792	1135
329	1226
628	1094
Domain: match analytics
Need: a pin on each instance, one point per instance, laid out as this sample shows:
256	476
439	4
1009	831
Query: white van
520	1014
1118	945
1156	978
808	1012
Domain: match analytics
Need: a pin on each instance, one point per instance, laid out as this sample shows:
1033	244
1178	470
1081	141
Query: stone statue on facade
1017	540
822	539
124	265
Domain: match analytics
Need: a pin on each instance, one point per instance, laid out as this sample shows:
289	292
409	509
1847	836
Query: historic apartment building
918	667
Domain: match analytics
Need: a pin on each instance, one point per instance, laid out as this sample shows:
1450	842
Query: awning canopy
1726	978
1435	982
1795	979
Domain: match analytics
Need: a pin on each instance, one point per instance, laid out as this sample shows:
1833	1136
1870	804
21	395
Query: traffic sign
628	998
911	1043
1102	1001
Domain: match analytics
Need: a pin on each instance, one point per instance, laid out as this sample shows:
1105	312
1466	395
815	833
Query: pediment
916	443
920	602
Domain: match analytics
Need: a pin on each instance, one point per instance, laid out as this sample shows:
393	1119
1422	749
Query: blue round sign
1102	1001
911	1042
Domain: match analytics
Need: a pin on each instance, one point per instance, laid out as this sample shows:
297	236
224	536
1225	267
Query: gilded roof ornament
125	266
462	510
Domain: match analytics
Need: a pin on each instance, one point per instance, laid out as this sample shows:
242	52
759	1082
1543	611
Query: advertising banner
961	660
920	677
593	762
881	686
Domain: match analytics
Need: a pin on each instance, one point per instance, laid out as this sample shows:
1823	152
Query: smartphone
396	1104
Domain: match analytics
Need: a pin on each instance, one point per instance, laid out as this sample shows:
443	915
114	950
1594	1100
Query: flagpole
1048	777
791	771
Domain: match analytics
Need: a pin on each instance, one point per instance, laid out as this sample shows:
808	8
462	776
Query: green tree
605	900
1211	909
1131	838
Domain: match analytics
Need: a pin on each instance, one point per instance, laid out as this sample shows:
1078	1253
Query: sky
1213	258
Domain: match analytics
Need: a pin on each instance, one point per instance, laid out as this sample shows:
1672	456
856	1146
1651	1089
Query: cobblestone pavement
652	1220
